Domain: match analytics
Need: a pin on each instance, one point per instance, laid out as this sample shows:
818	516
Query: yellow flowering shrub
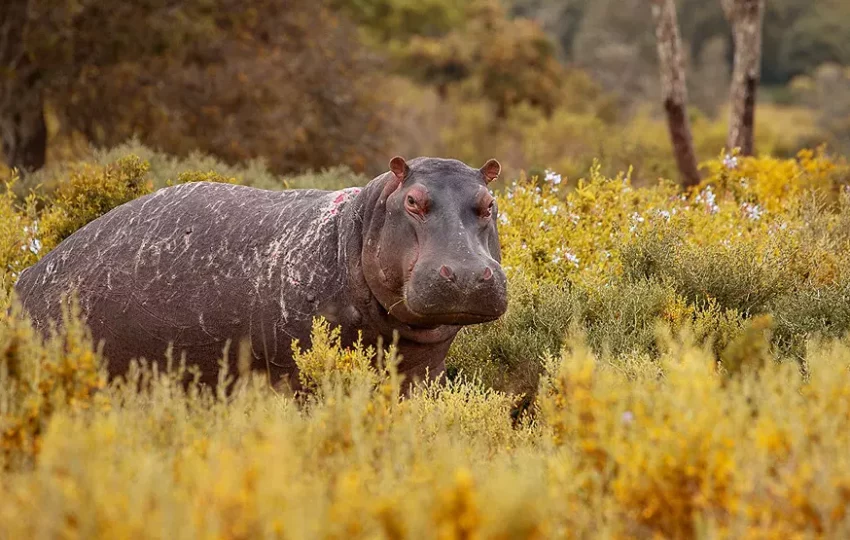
19	243
671	365
671	447
39	377
321	360
88	193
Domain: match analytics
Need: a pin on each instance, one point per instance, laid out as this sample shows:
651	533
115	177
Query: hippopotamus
414	255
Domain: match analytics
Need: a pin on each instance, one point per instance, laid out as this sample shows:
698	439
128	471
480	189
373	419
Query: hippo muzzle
451	290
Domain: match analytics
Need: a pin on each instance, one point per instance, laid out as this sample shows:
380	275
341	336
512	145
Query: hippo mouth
459	318
421	331
416	319
415	315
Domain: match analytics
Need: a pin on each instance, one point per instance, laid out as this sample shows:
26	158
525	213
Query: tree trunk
745	17
673	89
23	132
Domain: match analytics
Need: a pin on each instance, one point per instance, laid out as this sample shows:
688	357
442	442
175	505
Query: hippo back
197	265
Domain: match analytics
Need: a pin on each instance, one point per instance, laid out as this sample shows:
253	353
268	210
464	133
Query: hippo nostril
487	275
446	272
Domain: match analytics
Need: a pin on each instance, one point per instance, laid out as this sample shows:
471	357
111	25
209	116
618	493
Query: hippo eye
416	204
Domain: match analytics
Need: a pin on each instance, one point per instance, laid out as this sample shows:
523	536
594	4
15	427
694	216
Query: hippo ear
491	170
399	167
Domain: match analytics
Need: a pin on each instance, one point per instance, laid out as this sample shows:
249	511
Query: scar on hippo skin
339	197
198	265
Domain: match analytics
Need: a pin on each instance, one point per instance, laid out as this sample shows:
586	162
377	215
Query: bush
648	329
90	192
761	236
506	354
18	242
41	377
639	447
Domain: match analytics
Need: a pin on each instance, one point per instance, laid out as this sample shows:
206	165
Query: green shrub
621	319
506	354
810	312
165	168
729	274
331	179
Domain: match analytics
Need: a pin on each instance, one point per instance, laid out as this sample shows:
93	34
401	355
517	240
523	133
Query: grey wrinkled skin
196	265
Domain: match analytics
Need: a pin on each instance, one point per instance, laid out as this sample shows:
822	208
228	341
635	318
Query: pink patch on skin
341	196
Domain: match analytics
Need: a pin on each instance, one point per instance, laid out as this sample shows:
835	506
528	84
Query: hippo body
200	264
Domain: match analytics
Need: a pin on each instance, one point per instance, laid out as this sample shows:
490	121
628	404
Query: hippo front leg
420	363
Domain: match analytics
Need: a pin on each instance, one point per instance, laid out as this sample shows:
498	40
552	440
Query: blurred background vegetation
309	84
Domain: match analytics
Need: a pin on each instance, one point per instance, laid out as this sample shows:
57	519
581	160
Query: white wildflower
552	177
33	244
752	211
709	198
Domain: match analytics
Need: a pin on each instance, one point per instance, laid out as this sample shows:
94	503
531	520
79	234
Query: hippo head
431	250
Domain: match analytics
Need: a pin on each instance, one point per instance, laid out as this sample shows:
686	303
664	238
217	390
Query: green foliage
811	312
798	35
827	91
760	236
449	45
164	168
287	82
506	353
817	35
727	274
396	20
621	319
